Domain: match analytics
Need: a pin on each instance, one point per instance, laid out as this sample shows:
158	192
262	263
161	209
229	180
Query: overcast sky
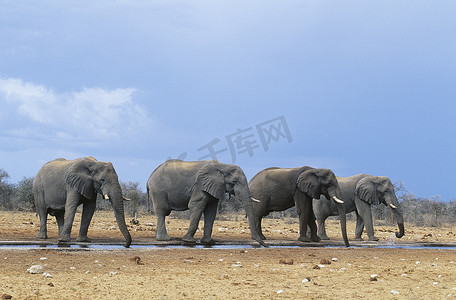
354	86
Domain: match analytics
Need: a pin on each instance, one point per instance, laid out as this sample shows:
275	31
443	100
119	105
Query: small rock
417	262
47	275
51	284
256	265
394	292
321	266
224	276
307	279
137	260
189	261
6	296
236	265
279	291
316	267
35	269
43	258
72	268
286	261
374	277
325	262
113	273
334	259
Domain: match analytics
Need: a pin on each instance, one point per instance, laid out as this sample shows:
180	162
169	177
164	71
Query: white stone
35	269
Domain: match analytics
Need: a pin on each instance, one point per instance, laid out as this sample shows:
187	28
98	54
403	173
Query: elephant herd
62	185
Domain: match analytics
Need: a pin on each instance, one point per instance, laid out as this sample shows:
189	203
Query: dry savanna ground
208	273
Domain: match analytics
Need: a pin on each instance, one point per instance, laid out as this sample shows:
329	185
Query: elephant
197	186
359	193
61	185
277	189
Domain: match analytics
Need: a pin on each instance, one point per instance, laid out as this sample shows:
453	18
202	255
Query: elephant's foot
304	238
207	241
358	238
83	239
189	239
163	237
262	237
42	235
373	238
324	237
315	238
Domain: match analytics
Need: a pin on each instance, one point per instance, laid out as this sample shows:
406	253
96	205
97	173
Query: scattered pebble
286	261
72	268
256	265
236	265
321	266
43	258
113	273
334	259
325	262
189	261
279	291
35	269
394	292
6	296
47	275
417	262
307	279
374	277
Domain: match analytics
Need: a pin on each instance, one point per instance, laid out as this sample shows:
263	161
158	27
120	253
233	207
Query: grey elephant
359	193
196	186
62	185
278	189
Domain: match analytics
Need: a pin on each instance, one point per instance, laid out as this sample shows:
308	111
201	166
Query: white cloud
86	115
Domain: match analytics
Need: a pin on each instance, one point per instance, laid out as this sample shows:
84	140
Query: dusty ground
255	273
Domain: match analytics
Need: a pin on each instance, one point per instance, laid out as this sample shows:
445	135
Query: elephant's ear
79	177
309	183
366	191
211	180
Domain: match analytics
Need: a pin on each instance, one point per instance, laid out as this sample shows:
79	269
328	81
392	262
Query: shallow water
238	246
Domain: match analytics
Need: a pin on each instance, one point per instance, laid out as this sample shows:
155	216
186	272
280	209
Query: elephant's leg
302	208
43	223
364	210
59	217
72	203
88	210
322	229
359	227
313	226
209	217
161	207
196	205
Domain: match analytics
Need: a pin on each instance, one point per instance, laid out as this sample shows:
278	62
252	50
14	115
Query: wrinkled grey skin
197	186
278	189
359	192
62	185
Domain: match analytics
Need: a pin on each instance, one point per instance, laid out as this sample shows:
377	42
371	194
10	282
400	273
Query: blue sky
362	86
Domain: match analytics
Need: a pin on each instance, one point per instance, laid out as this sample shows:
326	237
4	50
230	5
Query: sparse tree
23	195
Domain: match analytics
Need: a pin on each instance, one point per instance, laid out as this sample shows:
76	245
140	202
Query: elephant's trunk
117	204
336	196
395	207
343	223
242	193
401	230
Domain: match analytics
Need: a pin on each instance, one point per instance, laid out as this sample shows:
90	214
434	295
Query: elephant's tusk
106	197
338	200
126	199
393	206
255	200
